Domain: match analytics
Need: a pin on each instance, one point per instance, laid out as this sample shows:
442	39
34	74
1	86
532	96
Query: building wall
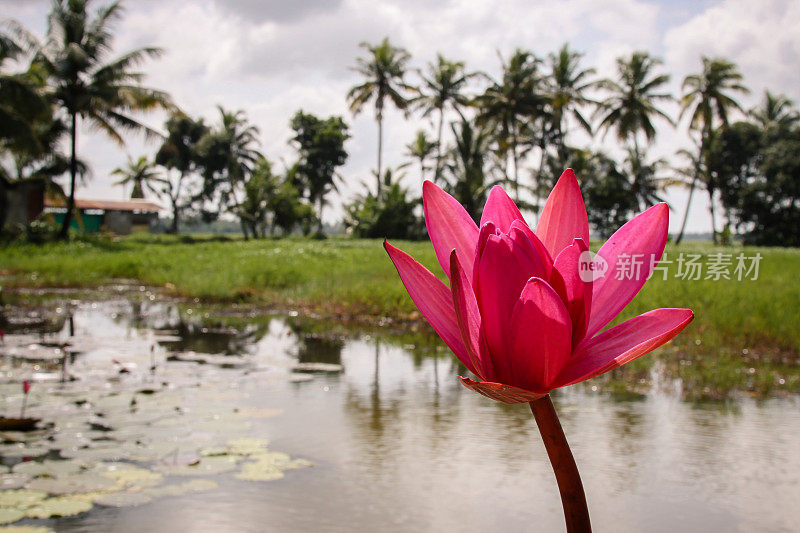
118	222
25	202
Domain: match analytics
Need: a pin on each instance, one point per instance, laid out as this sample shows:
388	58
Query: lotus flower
521	312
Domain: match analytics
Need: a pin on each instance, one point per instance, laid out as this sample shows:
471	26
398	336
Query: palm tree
645	183
632	102
86	86
384	69
567	87
228	155
469	167
421	149
706	100
442	87
510	105
142	174
777	111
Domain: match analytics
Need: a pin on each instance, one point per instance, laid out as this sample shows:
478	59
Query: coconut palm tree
470	167
510	106
421	149
567	85
142	175
443	86
775	111
384	68
632	102
707	101
86	85
645	183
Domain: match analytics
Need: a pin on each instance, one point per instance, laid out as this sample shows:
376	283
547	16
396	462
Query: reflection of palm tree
140	173
85	86
443	86
631	105
706	99
384	69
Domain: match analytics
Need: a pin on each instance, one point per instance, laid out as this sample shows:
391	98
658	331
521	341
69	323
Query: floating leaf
205	466
60	506
21	498
13	481
49	468
247	446
134	476
259	471
10	515
73	483
26	529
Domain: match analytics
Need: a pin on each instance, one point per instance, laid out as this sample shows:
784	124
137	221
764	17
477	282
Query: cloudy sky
273	57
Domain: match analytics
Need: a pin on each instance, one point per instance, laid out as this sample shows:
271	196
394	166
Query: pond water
397	444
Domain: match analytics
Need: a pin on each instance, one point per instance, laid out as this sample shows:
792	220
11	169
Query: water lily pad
259	471
205	466
13	481
247	446
20	449
60	506
21	498
4	469
49	468
124	499
10	515
73	483
134	476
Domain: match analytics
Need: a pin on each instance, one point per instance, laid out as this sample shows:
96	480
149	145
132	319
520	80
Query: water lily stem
573	499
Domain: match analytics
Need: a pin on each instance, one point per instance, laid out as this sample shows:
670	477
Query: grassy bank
355	277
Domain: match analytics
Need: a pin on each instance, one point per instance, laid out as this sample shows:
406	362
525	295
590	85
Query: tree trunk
679	238
73	172
437	176
516	163
175	215
713	214
380	151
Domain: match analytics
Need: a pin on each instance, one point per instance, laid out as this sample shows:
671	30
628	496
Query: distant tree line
518	129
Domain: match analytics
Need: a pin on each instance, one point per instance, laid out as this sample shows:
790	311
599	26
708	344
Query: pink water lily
525	310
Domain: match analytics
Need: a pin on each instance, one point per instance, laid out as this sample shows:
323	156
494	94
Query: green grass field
738	323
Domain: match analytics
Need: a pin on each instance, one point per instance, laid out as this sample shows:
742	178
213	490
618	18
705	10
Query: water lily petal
503	271
576	286
449	227
541	336
564	215
486	230
502	393
629	257
623	343
432	298
467	315
500	209
541	249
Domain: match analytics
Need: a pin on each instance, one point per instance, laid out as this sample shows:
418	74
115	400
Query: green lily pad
259	471
134	476
205	466
59	506
21	498
246	446
13	481
73	483
9	515
49	468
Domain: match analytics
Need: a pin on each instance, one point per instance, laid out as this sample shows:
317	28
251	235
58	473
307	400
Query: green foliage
320	145
470	177
389	216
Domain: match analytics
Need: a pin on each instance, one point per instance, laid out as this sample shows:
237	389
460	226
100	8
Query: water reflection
400	446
